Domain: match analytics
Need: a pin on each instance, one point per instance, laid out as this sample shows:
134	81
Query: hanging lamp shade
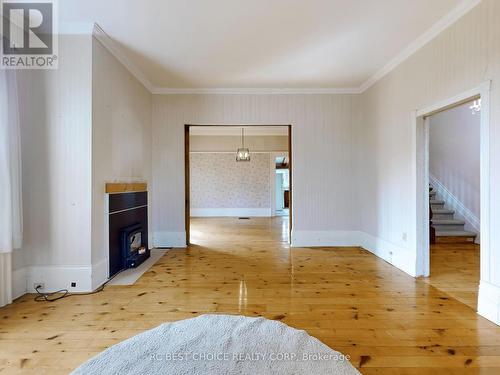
243	153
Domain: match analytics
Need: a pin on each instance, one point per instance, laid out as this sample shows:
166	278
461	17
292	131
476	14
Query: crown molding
454	15
116	51
254	91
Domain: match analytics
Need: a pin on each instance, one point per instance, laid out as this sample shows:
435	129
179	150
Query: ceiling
236	130
256	44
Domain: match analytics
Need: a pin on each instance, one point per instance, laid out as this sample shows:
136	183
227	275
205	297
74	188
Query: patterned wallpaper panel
218	181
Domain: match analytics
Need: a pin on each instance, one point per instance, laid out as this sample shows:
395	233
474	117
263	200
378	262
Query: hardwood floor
455	270
388	322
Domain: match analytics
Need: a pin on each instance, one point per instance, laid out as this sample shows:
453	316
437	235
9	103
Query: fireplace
128	230
133	248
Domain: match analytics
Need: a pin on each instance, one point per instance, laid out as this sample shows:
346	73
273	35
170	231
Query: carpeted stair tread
443	220
442	211
455	233
447	222
436	201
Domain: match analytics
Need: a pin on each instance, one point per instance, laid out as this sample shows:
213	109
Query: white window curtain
10	181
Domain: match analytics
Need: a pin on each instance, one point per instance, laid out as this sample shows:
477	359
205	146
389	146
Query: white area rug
130	276
220	344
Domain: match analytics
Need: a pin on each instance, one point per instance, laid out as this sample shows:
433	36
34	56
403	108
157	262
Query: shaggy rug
220	344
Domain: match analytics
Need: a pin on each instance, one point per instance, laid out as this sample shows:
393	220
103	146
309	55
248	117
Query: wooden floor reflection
455	270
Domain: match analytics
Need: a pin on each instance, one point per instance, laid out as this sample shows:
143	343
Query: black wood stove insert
128	230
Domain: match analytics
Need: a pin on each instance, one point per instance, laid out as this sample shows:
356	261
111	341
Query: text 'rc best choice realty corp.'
242	357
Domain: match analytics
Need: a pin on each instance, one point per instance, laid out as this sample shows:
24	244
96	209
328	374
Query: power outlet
73	284
39	286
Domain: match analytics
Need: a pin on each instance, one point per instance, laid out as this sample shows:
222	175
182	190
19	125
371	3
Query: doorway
454	196
422	122
281	186
219	184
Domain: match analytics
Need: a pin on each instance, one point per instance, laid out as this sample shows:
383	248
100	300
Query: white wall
322	170
56	156
121	141
221	186
460	58
454	156
79	127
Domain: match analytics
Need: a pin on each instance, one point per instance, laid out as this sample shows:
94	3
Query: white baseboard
472	222
169	239
400	257
100	273
19	282
489	301
60	277
230	212
324	238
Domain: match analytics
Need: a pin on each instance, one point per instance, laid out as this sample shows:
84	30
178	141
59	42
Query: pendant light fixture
243	154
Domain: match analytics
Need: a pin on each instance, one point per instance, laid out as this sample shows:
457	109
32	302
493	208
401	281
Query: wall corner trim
116	51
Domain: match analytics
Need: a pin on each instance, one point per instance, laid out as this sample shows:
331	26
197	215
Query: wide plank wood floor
388	322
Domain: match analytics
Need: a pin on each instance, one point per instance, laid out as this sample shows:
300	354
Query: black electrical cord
48	297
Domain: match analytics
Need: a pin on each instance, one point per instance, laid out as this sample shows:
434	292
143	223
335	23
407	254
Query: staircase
444	222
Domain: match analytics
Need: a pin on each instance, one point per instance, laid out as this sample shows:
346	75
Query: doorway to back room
455	197
238	181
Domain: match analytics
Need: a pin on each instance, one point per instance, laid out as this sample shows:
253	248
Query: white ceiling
263	43
236	130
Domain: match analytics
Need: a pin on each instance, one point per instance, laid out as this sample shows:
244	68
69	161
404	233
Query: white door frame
420	128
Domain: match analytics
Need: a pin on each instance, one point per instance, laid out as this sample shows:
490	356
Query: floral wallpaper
218	181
